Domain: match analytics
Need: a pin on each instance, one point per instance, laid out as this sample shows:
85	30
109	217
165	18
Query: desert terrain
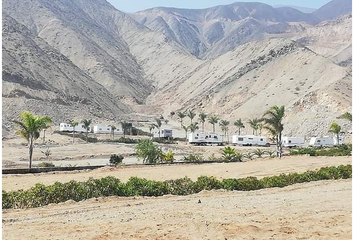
317	210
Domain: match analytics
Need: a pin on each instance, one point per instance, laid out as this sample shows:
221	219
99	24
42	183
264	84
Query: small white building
164	133
293	142
66	127
104	129
325	141
200	138
249	140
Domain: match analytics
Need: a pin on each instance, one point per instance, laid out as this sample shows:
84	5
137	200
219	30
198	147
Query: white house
325	141
200	138
293	142
104	129
66	127
249	140
164	133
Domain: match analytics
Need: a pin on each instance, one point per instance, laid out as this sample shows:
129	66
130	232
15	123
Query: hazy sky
137	5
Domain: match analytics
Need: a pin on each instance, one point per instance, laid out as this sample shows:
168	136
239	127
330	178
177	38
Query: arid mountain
234	61
213	31
334	9
38	78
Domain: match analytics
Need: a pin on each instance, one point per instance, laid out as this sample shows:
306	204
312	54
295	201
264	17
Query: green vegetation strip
41	195
343	150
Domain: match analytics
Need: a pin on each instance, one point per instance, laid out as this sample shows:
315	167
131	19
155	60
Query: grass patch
343	150
41	195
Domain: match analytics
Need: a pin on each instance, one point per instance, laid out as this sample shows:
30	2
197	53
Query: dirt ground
258	168
317	210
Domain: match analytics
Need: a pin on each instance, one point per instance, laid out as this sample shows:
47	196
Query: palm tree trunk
213	128
239	131
73	136
86	135
280	146
159	133
44	136
30	152
203	126
113	134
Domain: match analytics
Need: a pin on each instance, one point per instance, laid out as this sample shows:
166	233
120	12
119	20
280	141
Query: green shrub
258	152
195	158
149	152
41	195
343	150
116	159
164	141
213	158
230	155
121	140
168	157
78	135
46	164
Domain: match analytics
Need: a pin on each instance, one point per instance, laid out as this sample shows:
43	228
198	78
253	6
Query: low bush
168	157
121	140
78	135
230	155
195	158
46	164
41	195
164	141
116	159
343	150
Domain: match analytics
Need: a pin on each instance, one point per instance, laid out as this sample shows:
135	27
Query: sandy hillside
317	210
258	168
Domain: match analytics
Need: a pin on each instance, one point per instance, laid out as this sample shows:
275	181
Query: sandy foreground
258	168
317	210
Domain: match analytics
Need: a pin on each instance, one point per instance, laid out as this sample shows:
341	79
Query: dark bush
116	159
46	164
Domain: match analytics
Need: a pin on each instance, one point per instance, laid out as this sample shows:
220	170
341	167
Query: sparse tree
86	123
335	129
30	128
158	125
74	124
224	127
113	128
151	127
213	120
191	115
181	115
44	131
166	121
254	124
239	124
193	127
125	127
202	119
273	123
172	114
346	115
186	128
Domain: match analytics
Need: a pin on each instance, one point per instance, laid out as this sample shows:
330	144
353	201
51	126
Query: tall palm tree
273	123
193	127
239	124
113	128
224	127
213	120
30	129
191	115
254	124
260	127
86	123
74	124
346	115
181	115
335	128
125	127
158	125
202	119
186	128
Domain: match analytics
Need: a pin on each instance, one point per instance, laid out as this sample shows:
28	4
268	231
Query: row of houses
97	129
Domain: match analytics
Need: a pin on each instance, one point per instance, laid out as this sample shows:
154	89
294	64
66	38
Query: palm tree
254	124
346	115
181	115
224	127
239	124
186	128
158	125
213	120
191	115
86	123
125	127
113	128
30	129
273	123
260	127
202	118
335	128
151	127
74	124
193	127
